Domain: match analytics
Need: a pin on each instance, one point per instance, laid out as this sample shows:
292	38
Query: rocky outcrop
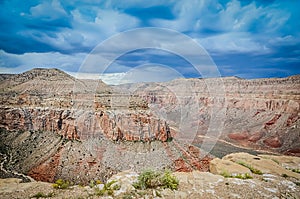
287	162
134	127
263	164
81	124
227	167
35	119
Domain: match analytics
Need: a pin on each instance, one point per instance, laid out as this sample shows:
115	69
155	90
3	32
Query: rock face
76	110
55	126
259	114
73	124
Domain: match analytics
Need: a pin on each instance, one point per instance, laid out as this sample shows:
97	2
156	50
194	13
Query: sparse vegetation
284	175
169	181
108	189
61	184
225	174
127	196
275	161
93	183
296	170
252	169
158	193
240	176
42	195
152	179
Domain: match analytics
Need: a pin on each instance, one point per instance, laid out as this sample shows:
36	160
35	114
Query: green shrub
243	176
225	174
296	170
147	179
151	179
275	161
127	196
169	181
92	183
252	169
61	184
42	195
284	175
108	189
240	176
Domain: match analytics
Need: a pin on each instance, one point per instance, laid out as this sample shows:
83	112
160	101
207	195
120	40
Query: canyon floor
209	132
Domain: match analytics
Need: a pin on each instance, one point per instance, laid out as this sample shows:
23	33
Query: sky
248	39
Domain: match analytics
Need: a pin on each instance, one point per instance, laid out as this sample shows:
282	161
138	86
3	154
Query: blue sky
250	39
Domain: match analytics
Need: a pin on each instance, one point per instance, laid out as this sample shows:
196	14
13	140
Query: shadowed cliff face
55	126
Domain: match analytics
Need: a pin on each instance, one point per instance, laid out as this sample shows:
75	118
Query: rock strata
56	126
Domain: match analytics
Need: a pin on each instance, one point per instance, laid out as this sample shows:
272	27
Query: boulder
124	179
227	167
261	164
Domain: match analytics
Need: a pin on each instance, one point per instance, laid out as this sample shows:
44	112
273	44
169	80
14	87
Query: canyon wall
259	114
55	126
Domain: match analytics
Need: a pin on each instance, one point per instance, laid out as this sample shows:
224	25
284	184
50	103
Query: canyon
56	126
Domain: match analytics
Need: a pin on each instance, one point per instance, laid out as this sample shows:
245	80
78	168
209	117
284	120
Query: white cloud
191	15
237	28
241	42
202	15
135	3
106	24
108	78
142	73
28	61
84	34
48	10
150	73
